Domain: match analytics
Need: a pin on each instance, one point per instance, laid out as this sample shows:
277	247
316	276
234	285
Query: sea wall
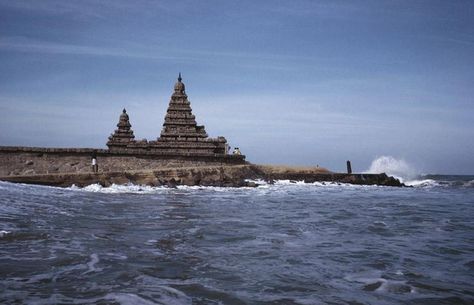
227	175
206	175
65	167
24	161
309	177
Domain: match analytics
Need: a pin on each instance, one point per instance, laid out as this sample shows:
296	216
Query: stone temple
180	134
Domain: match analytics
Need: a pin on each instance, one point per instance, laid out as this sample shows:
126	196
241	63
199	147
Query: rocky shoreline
224	176
72	166
183	154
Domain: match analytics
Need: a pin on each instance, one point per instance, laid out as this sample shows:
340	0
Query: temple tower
180	123
180	133
179	137
123	135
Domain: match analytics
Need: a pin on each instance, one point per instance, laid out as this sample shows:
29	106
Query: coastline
65	167
230	176
183	154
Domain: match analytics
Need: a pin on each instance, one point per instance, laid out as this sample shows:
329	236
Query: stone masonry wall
32	161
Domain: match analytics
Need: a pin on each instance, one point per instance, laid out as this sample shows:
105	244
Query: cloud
243	60
87	9
22	44
54	7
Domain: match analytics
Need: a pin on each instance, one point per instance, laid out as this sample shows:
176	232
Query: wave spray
398	168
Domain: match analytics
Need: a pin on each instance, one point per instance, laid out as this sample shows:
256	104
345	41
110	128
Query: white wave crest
128	299
91	266
4	233
168	296
293	184
120	189
375	283
469	184
398	168
422	183
261	185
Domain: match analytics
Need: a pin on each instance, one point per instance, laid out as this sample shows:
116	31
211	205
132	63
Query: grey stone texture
37	160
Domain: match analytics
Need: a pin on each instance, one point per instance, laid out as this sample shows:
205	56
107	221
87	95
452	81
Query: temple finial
124	111
179	77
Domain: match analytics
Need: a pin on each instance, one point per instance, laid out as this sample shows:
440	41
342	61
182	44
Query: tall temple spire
180	135
180	123
179	86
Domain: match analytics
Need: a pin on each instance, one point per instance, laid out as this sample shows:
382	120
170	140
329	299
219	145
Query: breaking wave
429	181
422	183
406	173
120	189
4	233
398	168
277	185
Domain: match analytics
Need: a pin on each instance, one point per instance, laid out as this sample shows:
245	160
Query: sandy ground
280	169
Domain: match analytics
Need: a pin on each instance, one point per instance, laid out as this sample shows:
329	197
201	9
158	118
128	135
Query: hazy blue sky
296	82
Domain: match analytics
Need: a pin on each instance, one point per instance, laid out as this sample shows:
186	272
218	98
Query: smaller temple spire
179	77
123	135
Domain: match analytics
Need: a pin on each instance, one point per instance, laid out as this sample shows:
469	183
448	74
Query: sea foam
4	233
277	185
121	189
422	183
398	168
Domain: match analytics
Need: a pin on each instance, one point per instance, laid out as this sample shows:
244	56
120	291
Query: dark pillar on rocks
349	168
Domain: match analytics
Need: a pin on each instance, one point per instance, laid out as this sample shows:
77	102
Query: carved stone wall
32	161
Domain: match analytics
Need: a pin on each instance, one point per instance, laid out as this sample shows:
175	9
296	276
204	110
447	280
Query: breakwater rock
200	175
316	174
27	161
227	176
66	167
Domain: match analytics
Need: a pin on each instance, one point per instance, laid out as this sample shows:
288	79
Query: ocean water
287	243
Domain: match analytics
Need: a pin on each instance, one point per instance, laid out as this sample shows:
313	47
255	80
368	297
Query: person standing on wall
95	166
236	151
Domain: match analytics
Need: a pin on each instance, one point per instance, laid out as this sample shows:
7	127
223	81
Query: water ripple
288	243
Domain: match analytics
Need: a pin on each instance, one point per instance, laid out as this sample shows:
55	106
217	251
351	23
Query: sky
288	82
